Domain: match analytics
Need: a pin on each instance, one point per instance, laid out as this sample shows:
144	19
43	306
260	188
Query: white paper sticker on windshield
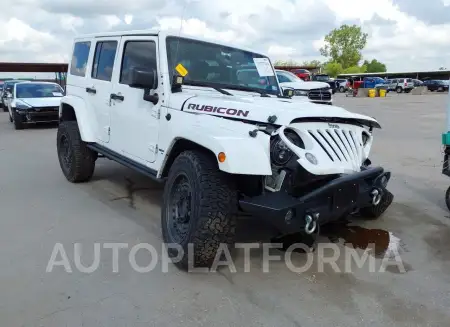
57	94
263	66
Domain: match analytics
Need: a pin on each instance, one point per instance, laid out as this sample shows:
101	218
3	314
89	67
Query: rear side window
409	80
105	54
79	58
137	54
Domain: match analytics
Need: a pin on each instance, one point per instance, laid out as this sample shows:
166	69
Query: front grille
341	145
45	109
319	95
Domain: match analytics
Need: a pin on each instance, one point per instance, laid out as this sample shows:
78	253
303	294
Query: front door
135	121
100	86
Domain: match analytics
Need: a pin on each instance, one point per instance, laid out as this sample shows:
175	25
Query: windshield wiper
218	89
248	89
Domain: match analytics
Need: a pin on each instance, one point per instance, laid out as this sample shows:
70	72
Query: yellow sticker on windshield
181	70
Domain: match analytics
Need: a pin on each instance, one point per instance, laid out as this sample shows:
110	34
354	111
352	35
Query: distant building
421	75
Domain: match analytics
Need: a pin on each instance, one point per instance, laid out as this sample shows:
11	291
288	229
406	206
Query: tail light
406	84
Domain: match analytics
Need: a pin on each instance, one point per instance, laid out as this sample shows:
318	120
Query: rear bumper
330	202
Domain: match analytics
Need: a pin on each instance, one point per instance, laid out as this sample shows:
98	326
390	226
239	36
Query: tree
355	69
344	45
375	66
333	69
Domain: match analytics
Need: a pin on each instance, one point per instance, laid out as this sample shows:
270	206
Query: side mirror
145	79
289	93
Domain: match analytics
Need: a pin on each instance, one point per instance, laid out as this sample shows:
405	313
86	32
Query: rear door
99	83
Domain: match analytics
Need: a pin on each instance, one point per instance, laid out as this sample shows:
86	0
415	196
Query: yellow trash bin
382	93
372	93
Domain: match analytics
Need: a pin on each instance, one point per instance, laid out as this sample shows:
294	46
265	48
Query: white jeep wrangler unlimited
183	111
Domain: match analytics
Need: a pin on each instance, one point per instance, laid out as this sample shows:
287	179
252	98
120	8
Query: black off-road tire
82	164
213	209
17	120
447	198
374	212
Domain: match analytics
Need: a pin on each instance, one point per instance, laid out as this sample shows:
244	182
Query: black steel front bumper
33	116
330	202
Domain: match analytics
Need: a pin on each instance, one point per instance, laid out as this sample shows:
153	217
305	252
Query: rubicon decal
219	110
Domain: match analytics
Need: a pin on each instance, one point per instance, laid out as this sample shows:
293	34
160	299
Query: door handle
114	96
91	90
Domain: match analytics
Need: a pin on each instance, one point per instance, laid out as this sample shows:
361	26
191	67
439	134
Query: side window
79	58
105	54
282	78
137	54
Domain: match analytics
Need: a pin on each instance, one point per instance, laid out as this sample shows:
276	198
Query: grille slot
341	145
319	95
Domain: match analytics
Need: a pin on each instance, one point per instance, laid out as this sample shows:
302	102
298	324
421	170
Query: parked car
34	102
171	107
400	85
317	92
342	84
303	74
370	82
417	82
326	78
436	85
6	89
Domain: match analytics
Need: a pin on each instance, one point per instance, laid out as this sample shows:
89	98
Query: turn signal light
221	157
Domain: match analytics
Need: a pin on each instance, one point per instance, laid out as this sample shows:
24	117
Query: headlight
280	152
21	106
301	92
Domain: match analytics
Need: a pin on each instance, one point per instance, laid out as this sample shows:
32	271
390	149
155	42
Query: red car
302	73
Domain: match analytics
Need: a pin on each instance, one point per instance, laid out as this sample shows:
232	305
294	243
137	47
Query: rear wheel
341	89
199	209
440	89
399	89
77	161
447	198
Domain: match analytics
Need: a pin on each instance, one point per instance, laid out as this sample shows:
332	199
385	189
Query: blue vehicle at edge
374	82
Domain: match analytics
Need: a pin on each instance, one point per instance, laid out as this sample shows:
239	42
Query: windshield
221	66
290	76
32	90
324	78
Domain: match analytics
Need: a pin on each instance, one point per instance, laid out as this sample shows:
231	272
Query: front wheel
375	211
77	161
199	210
440	89
447	198
17	120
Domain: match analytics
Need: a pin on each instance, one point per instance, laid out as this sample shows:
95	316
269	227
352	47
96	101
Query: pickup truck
334	85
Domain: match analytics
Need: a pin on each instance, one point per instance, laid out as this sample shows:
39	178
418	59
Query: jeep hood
259	109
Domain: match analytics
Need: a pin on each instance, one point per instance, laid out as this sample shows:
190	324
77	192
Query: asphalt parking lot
39	208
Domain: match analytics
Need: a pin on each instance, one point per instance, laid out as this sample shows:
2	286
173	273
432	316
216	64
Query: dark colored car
7	87
334	85
417	82
436	85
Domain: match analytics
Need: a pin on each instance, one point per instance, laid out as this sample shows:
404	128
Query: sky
404	34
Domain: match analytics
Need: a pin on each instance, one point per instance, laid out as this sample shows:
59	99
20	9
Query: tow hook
311	223
376	196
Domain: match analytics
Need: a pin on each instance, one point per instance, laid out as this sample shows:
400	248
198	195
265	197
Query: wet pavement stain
382	242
